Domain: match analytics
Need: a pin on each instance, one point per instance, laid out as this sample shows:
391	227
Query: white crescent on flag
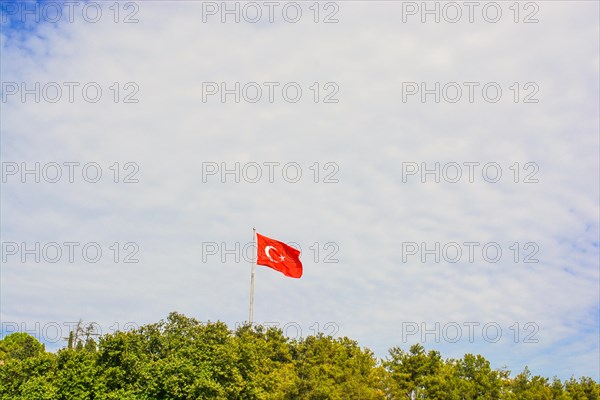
267	249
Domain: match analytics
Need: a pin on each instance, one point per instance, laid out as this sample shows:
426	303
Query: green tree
527	387
181	358
584	389
416	371
29	378
20	346
476	379
76	374
330	368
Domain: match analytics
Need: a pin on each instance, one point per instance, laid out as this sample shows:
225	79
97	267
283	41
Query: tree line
181	358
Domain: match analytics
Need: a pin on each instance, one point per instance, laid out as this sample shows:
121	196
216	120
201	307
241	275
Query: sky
437	164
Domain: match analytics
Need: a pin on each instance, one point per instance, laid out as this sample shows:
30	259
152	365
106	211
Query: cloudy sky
449	183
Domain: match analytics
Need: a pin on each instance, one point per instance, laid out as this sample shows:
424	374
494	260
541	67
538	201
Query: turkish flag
279	256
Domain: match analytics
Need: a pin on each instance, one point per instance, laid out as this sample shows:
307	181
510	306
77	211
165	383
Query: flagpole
254	255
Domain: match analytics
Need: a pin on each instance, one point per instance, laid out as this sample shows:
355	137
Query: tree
476	379
330	368
181	358
415	371
20	346
584	389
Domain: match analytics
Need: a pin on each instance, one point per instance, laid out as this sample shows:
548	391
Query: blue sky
369	215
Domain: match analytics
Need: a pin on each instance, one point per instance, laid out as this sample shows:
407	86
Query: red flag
279	256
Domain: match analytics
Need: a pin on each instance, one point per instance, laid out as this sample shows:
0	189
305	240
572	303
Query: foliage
182	358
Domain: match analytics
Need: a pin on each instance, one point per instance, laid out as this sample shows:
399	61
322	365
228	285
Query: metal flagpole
252	275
